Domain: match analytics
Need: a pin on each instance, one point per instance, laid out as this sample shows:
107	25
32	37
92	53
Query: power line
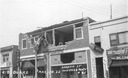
100	7
98	12
88	4
103	11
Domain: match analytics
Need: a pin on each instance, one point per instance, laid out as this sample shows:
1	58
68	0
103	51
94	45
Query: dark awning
119	63
41	63
28	64
31	64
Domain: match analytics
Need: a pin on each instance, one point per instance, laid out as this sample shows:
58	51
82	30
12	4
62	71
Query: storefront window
70	71
119	72
5	73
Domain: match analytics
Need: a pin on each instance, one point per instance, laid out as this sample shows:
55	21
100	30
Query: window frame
95	40
5	57
81	28
117	38
31	46
112	40
35	38
22	44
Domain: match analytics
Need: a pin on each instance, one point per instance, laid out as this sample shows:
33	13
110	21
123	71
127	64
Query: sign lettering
120	51
120	58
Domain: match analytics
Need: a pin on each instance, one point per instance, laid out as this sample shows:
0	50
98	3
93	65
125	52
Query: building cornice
7	48
96	23
30	56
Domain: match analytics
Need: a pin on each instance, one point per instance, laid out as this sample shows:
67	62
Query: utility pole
82	15
110	11
36	75
37	47
35	51
48	66
0	72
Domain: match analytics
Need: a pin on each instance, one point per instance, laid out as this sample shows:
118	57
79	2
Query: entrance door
99	67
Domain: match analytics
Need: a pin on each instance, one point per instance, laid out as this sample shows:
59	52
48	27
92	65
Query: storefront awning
28	64
119	63
31	64
41	63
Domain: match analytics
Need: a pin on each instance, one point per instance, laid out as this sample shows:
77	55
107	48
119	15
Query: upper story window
78	31
33	40
97	41
62	36
24	44
6	57
36	38
118	38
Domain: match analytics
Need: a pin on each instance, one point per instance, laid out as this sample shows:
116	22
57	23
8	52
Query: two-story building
8	61
112	36
68	51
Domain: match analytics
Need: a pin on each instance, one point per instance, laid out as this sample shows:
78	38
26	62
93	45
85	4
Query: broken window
36	38
67	57
63	35
97	41
32	42
49	36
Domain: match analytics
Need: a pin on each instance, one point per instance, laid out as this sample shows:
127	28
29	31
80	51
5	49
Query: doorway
99	67
118	72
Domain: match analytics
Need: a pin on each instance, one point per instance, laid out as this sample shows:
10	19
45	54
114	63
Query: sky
21	16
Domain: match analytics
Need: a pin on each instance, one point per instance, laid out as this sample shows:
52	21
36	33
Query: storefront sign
119	57
70	68
119	51
118	54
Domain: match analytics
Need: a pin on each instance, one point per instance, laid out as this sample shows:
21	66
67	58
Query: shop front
69	65
69	71
118	62
28	69
5	72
